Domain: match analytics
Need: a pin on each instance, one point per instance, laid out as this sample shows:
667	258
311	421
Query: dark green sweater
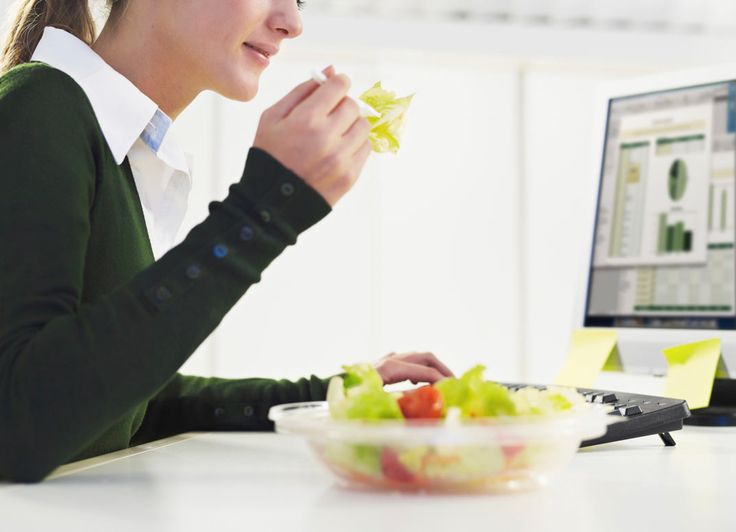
92	330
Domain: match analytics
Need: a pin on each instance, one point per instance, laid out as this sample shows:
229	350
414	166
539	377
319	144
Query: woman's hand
414	367
317	132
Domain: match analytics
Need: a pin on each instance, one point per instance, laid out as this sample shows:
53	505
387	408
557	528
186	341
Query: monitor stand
721	412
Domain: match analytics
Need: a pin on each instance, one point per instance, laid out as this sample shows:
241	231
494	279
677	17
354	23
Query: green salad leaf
362	376
531	401
374	404
476	397
361	459
360	395
385	134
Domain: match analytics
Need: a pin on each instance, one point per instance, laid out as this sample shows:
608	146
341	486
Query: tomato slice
392	467
422	403
511	451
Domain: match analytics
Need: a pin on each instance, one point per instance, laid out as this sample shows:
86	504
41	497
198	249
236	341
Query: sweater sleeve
190	403
69	370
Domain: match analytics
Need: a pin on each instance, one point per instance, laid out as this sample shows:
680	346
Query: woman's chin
243	91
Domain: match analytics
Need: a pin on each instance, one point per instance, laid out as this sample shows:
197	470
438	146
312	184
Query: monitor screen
663	250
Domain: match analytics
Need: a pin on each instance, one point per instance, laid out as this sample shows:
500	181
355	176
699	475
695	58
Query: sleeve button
220	251
248	411
265	216
287	189
194	271
163	293
219	412
247	233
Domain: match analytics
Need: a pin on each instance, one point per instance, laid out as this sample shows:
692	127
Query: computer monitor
661	267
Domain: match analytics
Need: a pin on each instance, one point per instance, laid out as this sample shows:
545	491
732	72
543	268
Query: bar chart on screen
674	233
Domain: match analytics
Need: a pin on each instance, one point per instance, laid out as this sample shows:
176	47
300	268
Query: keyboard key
630	410
606	398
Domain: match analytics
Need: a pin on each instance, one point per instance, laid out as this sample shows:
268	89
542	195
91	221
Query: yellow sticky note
691	369
591	351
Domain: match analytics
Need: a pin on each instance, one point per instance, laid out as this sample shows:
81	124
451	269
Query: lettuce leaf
362	377
476	397
360	395
530	401
385	134
371	405
362	459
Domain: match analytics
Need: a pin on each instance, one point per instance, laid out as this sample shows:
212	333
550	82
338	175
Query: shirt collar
122	110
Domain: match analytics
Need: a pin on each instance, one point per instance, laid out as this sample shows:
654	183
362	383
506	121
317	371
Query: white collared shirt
134	127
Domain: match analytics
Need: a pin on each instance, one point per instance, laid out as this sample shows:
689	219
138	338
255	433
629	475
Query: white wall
559	189
4	14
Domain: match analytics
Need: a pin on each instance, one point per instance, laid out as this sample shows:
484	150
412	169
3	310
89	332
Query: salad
505	454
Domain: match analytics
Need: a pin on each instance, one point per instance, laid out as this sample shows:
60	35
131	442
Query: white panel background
559	190
467	242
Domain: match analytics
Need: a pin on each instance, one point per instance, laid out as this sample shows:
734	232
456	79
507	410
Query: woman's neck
148	65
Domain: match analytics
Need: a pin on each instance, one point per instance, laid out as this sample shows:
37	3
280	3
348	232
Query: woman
96	312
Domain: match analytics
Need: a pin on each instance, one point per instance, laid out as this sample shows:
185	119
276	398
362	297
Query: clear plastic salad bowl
499	454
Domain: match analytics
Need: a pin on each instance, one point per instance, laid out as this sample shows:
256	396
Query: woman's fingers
424	358
356	136
345	115
322	101
288	103
428	359
393	371
415	367
298	94
361	156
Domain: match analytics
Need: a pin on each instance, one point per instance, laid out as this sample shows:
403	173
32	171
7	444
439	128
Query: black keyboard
644	415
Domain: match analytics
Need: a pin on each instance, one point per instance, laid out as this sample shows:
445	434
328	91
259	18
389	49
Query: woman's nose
287	20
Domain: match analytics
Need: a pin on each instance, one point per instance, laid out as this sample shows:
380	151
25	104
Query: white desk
240	481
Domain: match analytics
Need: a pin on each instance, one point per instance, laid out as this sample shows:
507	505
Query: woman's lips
257	55
257	48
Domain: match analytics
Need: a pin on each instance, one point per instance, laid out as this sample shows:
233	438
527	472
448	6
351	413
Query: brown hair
33	16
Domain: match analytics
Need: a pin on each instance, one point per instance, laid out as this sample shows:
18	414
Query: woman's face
225	45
